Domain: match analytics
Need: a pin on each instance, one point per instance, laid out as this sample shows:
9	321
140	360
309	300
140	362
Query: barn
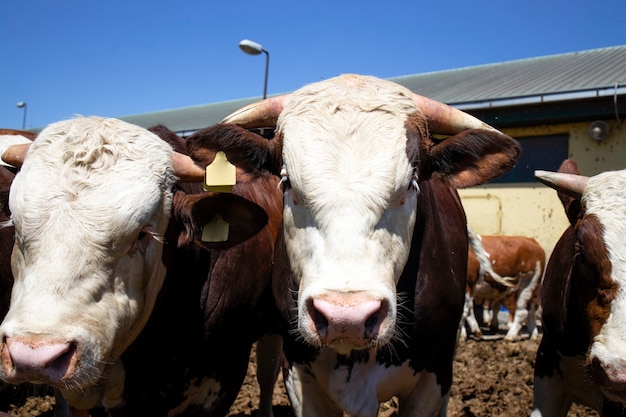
557	106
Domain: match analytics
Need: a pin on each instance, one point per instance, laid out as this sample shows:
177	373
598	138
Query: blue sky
116	58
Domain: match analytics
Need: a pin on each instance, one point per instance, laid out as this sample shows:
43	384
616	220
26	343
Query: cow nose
342	321
42	362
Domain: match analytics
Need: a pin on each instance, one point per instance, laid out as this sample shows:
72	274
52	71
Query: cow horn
184	167
447	120
14	155
263	113
570	184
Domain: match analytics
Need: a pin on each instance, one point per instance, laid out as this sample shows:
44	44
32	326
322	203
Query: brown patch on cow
251	153
13	132
597	289
418	143
570	204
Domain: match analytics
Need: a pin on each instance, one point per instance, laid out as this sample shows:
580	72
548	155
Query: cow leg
469	318
425	400
494	322
487	311
268	352
527	288
306	396
531	322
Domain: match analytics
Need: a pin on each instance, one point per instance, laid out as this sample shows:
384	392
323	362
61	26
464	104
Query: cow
581	357
118	301
371	262
512	274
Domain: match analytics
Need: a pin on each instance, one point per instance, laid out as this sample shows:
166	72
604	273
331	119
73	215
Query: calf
371	262
117	300
582	356
514	269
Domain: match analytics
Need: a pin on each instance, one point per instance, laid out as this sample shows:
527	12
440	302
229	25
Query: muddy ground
492	378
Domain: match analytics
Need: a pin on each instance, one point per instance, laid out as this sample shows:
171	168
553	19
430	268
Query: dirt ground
492	378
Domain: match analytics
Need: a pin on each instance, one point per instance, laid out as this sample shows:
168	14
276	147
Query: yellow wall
532	209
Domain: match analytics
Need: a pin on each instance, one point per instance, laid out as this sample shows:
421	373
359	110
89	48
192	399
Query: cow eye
144	238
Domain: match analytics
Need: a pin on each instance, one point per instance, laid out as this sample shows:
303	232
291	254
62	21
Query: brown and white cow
371	263
117	301
514	270
582	354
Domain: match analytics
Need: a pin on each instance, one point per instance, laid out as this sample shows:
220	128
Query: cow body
370	270
520	261
117	301
581	357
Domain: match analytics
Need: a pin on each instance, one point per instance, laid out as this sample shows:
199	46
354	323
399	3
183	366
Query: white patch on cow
359	389
350	211
604	197
202	393
85	275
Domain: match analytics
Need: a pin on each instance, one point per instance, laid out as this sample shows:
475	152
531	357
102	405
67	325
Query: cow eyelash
153	235
157	237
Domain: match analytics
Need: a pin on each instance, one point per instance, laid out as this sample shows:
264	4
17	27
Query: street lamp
22	104
253	48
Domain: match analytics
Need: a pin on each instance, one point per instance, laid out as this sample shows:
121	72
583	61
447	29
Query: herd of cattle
345	253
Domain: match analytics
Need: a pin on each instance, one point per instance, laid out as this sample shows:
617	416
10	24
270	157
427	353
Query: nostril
319	319
371	322
375	320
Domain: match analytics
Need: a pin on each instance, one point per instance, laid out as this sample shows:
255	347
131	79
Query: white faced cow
582	355
372	260
101	225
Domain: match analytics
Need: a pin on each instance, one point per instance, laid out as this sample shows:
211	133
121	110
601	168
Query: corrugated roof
584	74
554	75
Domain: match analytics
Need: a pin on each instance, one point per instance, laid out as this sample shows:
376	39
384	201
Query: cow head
597	275
90	206
354	150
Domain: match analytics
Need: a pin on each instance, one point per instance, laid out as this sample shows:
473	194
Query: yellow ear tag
220	175
215	231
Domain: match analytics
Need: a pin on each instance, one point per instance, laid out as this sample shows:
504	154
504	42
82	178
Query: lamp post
253	48
22	104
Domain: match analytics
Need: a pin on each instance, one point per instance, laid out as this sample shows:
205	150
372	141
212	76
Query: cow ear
571	204
244	218
473	157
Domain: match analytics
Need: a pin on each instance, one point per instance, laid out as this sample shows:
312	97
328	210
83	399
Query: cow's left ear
473	157
243	218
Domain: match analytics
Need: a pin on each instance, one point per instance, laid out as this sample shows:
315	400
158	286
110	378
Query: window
538	152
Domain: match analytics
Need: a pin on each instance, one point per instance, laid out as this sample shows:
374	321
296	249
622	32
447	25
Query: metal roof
567	76
562	77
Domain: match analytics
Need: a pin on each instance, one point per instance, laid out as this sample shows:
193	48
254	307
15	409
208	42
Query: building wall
532	209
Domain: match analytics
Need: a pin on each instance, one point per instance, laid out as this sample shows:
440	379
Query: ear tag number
220	175
216	230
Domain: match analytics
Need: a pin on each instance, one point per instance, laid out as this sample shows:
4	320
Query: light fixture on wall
599	130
